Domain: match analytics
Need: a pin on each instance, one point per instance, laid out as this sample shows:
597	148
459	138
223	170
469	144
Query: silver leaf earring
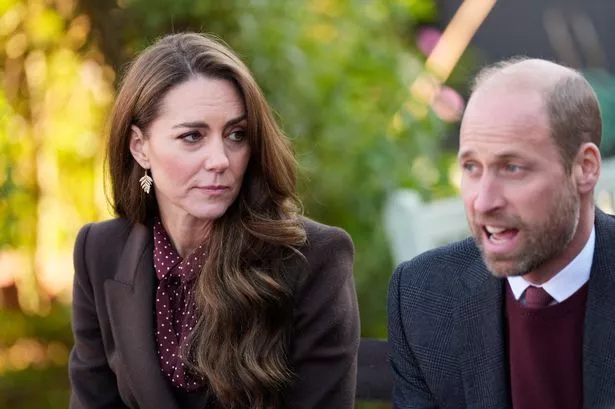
146	182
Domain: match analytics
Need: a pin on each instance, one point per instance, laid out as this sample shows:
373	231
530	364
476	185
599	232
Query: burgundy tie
537	297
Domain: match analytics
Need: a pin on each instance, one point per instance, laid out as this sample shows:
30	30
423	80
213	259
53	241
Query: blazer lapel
599	326
481	342
130	302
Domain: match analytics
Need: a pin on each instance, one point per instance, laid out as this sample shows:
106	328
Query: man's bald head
522	72
569	100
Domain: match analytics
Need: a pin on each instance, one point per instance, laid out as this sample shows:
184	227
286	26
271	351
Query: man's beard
543	242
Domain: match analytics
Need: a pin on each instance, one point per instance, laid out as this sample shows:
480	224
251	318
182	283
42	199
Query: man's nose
488	196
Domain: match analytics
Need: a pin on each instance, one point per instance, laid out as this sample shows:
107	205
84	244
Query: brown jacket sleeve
326	324
92	381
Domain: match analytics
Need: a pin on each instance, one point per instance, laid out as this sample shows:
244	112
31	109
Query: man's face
522	206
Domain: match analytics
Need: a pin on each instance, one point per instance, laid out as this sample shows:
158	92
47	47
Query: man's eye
469	167
513	168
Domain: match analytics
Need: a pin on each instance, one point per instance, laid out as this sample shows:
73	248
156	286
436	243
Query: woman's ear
139	147
587	167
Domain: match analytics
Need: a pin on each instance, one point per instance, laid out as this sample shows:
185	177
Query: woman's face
196	149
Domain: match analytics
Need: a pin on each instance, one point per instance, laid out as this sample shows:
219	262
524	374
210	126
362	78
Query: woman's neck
186	232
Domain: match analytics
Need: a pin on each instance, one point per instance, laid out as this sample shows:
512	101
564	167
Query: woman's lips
214	189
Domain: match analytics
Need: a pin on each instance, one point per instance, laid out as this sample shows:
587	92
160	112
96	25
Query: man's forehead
505	110
507	93
497	152
505	121
500	142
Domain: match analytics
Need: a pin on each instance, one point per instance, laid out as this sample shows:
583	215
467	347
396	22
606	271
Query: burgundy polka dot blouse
175	308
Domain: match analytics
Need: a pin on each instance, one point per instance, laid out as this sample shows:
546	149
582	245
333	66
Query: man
522	315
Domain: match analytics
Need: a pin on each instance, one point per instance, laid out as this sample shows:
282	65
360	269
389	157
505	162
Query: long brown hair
244	295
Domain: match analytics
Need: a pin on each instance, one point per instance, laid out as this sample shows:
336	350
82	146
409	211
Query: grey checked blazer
447	329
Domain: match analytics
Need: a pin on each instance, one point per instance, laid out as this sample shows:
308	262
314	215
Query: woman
208	289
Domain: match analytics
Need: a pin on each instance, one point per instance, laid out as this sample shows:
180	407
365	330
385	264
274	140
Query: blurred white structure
413	226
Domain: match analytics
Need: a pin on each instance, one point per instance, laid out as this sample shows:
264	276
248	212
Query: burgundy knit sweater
545	353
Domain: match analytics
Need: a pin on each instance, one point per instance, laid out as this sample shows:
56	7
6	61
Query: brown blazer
114	362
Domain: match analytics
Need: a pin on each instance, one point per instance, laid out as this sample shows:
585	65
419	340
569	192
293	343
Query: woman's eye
191	137
237	136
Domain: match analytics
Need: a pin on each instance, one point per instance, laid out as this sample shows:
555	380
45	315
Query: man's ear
586	170
139	147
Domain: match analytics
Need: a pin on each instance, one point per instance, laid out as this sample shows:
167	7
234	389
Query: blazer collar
130	303
479	319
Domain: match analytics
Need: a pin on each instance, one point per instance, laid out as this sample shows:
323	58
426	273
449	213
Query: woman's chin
208	213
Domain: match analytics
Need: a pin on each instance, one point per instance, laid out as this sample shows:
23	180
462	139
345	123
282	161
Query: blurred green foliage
34	354
337	73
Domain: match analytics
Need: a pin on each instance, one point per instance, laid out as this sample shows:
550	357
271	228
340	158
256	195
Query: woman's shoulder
328	251
118	225
99	245
320	235
107	231
329	256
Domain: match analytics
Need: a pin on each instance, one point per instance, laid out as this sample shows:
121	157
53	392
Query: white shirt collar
567	281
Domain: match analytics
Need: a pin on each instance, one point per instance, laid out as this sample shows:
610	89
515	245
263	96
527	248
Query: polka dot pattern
175	307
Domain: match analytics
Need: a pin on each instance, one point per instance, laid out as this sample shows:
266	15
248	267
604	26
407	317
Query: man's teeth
494	230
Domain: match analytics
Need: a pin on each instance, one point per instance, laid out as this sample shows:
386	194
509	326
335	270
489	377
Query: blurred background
370	91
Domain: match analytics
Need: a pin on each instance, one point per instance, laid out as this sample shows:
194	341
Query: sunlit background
370	91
